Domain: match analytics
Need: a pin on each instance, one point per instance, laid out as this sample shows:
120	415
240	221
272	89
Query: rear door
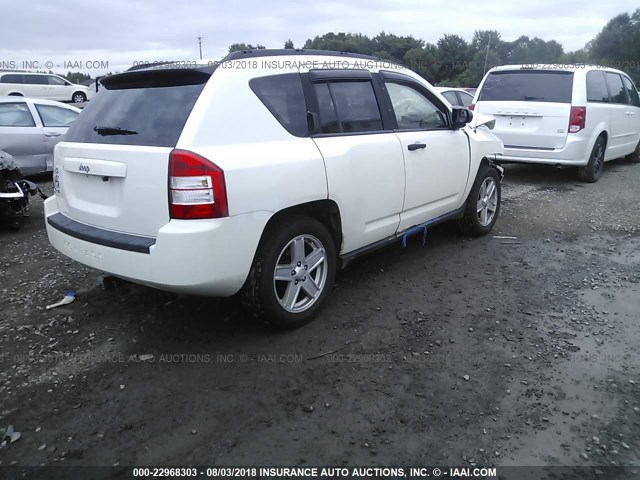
436	158
633	111
363	160
623	132
531	107
112	167
21	137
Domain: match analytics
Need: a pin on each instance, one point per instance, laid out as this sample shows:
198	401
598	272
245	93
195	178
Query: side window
632	93
284	98
15	115
348	107
55	116
35	79
326	109
11	78
467	98
616	88
596	87
451	97
55	81
413	110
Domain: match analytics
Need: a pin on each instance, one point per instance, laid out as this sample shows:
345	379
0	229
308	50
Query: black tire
472	222
591	172
635	156
14	94
261	292
78	97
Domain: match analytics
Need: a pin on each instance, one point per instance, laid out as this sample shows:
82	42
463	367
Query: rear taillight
577	119
196	187
472	106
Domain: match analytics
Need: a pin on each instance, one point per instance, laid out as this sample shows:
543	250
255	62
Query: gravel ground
489	351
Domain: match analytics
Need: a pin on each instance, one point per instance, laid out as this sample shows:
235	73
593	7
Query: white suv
579	115
42	85
264	174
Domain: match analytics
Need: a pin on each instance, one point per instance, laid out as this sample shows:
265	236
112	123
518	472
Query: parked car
581	116
264	180
42	85
30	128
456	96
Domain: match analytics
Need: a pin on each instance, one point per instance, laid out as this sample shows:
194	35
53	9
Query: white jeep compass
264	173
576	115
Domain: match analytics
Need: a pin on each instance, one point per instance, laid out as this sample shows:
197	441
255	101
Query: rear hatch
111	170
531	107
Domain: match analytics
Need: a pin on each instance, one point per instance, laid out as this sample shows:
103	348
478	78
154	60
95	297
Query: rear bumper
198	257
575	152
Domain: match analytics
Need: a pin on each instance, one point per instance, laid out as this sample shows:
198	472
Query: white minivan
579	115
42	85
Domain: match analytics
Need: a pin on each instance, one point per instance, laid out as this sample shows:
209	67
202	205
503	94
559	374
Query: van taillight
577	119
196	187
472	106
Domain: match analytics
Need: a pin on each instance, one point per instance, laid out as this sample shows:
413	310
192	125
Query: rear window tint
356	106
154	104
326	109
284	97
528	86
596	87
11	78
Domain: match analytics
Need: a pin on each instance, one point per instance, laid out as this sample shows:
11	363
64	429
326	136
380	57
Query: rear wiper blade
102	130
533	98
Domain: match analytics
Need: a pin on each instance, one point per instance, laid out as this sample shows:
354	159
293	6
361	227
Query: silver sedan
30	129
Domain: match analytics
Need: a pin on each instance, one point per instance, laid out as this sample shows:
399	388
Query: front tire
292	272
483	204
79	97
591	172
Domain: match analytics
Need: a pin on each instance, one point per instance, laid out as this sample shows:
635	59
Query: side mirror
460	116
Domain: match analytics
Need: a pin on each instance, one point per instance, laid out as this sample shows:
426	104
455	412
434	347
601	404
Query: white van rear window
527	86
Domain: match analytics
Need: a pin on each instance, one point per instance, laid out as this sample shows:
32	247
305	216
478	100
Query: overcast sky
122	32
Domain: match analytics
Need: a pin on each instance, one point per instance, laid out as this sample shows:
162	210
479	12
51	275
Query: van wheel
14	94
292	272
635	156
79	97
593	169
483	204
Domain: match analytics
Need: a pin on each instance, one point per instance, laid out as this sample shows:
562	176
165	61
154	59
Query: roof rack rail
278	52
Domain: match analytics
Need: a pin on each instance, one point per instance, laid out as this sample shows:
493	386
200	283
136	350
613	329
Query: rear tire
483	204
292	273
591	172
635	156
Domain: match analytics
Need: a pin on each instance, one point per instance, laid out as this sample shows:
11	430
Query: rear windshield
139	108
528	86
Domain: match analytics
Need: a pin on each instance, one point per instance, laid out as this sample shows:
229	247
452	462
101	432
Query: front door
436	157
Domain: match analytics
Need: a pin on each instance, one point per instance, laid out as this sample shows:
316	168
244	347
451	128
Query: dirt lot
482	351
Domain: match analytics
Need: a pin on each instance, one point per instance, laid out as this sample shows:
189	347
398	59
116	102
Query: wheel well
606	137
78	91
325	211
15	94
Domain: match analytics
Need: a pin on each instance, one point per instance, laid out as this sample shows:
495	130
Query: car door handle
416	146
52	134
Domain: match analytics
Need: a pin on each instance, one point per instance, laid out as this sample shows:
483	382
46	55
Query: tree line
452	61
